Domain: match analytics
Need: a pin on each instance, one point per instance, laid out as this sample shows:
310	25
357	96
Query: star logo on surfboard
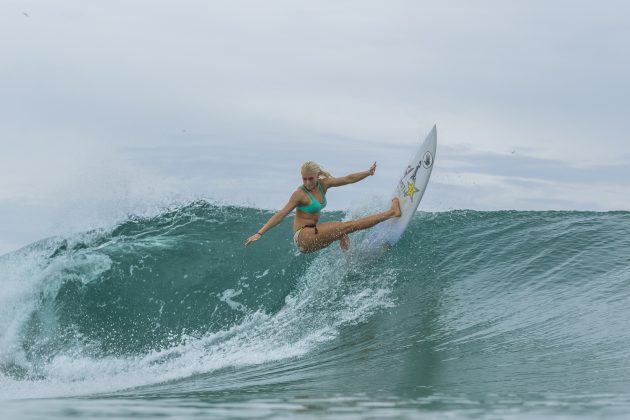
411	189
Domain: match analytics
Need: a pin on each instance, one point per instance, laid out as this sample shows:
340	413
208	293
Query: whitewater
501	314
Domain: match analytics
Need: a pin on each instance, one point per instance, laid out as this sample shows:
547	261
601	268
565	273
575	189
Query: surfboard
409	190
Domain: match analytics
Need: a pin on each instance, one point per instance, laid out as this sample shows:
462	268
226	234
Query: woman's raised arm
349	179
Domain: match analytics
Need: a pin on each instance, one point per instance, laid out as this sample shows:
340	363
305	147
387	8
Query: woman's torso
303	218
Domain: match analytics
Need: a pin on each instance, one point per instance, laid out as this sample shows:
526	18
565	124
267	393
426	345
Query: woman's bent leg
344	242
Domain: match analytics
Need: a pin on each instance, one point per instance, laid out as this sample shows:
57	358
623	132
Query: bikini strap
310	194
314	226
321	189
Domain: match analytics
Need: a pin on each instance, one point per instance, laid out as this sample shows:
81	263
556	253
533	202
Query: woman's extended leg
330	232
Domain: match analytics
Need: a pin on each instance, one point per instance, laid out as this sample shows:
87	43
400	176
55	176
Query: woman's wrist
259	233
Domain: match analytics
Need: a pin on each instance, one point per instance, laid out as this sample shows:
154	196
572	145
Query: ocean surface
486	315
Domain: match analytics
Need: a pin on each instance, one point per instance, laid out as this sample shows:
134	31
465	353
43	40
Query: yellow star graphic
411	189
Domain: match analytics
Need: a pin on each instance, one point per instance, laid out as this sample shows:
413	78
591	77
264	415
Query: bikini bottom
296	236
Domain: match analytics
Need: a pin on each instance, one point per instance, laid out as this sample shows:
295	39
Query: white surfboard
409	190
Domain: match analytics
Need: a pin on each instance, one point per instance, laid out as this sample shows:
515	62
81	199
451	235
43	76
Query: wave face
517	311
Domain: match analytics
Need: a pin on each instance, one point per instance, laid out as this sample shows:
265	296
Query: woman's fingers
251	239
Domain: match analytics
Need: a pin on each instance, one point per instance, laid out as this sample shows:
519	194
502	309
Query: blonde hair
313	167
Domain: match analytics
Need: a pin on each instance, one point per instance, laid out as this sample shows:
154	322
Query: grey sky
117	107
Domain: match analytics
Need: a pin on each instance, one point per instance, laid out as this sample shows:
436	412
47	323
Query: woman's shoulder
299	193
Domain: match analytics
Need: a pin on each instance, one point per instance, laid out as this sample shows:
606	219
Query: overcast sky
116	107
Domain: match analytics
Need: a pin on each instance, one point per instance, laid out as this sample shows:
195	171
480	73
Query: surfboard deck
409	190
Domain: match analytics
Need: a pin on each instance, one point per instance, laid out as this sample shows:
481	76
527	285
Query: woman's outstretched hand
372	169
256	236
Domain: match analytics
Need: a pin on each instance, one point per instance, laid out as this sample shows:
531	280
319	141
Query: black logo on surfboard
427	160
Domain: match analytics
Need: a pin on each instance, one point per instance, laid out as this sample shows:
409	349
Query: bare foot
344	242
395	209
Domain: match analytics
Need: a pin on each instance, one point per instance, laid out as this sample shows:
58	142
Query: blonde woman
309	199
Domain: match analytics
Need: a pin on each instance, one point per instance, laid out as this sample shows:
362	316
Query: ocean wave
465	298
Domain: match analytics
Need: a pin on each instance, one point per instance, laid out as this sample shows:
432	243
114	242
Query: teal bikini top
315	206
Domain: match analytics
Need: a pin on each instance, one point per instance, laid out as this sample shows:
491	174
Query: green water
471	315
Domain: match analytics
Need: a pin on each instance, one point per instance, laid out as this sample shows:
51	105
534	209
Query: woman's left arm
349	179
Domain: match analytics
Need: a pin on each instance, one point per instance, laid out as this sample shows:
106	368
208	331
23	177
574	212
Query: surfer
309	199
